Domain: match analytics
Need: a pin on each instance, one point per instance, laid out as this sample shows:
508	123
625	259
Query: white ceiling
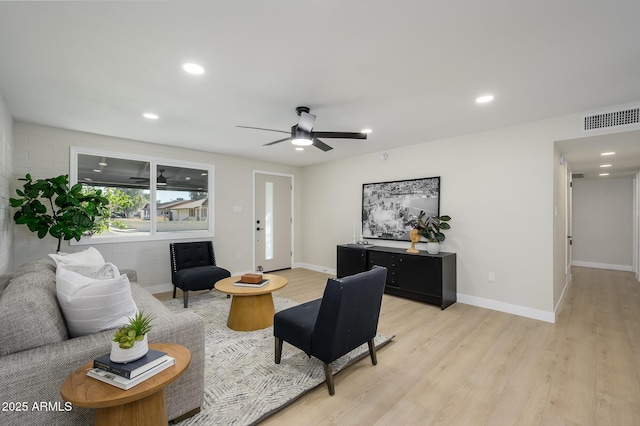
410	70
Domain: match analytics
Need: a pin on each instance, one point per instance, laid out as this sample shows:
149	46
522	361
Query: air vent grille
577	175
610	120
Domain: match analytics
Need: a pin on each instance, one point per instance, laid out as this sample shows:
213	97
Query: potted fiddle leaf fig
50	206
431	228
130	342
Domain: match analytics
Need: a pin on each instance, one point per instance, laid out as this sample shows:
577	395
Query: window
150	198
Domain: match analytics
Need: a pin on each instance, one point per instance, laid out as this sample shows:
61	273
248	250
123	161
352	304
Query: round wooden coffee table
251	308
143	404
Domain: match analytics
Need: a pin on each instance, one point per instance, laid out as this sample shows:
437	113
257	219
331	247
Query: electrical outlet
492	276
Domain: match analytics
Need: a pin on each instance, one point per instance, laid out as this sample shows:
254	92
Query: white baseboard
324	269
596	265
469	300
159	288
561	299
507	308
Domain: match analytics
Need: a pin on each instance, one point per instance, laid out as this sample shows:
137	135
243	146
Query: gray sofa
33	376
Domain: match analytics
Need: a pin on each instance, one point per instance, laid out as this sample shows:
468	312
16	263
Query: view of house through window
147	198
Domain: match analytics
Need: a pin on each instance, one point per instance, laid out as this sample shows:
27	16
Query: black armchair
193	267
328	328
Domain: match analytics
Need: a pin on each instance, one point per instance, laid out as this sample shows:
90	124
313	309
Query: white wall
6	172
499	189
44	152
603	223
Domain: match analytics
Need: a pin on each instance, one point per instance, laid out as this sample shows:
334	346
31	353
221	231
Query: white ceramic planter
433	248
139	349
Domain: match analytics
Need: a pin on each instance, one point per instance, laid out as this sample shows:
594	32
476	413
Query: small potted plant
130	341
431	228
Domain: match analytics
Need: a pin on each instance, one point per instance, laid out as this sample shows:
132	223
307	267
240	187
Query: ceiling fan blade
319	144
306	121
262	128
278	141
341	135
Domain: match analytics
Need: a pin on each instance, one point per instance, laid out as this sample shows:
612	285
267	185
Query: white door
273	222
569	208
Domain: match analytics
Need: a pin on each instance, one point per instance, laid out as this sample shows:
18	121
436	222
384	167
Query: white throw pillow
88	257
94	303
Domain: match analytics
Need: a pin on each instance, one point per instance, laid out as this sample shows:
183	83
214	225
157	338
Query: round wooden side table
251	307
143	405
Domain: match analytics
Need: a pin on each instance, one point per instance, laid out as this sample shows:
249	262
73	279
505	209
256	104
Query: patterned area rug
243	385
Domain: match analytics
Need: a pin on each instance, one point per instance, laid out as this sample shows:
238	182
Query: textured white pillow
88	257
99	300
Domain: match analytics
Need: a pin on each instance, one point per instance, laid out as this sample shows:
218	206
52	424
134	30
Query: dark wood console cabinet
425	277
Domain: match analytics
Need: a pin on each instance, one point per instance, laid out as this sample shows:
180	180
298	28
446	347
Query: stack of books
127	375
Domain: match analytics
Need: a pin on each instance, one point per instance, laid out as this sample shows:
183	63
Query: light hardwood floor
472	366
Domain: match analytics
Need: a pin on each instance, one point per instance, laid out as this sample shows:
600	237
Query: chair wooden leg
278	350
174	291
372	352
329	377
186	298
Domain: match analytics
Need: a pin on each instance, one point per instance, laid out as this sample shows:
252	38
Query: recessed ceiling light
366	131
88	179
150	116
605	165
187	178
192	68
203	174
604	174
484	99
608	153
97	171
102	163
299	148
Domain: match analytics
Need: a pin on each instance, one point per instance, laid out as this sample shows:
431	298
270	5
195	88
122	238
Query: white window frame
153	235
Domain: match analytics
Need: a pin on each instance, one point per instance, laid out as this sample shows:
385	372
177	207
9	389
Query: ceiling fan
302	134
160	180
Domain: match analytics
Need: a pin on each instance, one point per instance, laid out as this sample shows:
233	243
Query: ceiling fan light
192	68
301	142
484	99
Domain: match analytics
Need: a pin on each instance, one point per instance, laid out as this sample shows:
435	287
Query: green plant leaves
73	211
138	326
431	226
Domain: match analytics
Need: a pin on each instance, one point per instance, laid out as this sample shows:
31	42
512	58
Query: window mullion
154	196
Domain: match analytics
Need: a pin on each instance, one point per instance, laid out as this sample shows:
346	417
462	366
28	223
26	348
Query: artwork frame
391	209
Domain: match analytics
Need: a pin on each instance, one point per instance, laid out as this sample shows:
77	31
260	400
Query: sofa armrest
131	273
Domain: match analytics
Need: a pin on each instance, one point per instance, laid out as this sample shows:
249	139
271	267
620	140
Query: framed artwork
390	209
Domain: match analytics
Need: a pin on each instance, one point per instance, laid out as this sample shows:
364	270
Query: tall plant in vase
50	206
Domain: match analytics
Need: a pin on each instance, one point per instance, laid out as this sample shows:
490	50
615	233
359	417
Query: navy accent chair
344	318
193	267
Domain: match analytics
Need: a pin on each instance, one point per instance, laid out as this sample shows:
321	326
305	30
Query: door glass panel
268	221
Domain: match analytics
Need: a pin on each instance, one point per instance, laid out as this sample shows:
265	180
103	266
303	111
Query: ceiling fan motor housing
301	109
